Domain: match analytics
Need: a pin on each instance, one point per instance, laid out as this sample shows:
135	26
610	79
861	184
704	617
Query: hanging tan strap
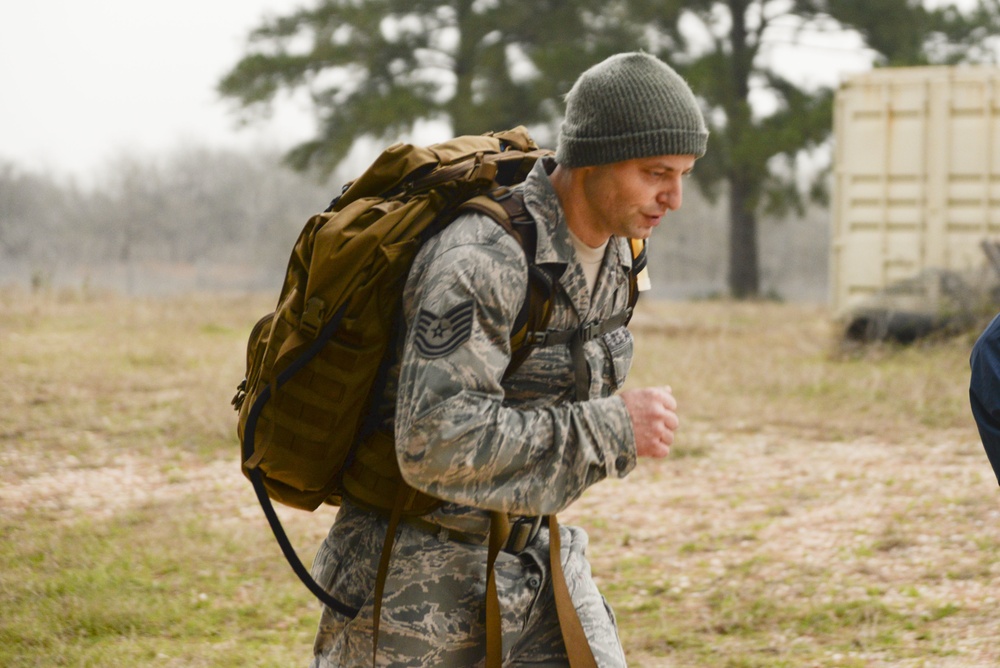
383	564
499	529
577	647
575	639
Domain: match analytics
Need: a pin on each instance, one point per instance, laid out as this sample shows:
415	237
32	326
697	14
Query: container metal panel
916	175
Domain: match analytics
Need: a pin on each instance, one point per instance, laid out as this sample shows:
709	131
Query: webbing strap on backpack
577	645
506	207
574	637
383	566
499	531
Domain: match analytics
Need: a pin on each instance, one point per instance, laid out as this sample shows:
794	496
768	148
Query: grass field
823	506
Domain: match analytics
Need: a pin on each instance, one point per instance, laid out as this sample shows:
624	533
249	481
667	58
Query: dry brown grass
821	508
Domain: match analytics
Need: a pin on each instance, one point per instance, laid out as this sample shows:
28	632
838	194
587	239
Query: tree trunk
744	279
461	108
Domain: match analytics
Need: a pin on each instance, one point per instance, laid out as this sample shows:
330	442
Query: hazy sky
82	82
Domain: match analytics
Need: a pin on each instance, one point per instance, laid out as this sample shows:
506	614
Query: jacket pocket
619	347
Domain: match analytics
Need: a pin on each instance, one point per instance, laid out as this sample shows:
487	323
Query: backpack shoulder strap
639	275
506	207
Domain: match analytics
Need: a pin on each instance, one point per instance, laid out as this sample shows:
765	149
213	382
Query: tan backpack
313	362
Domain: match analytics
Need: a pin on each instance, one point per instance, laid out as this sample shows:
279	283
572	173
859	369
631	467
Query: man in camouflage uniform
531	443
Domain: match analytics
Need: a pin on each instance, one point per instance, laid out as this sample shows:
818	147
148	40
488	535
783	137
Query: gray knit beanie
631	105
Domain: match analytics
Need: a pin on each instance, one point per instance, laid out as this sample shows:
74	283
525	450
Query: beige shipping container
916	176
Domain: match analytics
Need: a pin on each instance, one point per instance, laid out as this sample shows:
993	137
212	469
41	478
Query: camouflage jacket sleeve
466	435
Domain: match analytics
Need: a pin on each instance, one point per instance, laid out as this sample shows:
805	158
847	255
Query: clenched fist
654	419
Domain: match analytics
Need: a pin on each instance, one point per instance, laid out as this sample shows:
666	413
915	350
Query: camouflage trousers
433	610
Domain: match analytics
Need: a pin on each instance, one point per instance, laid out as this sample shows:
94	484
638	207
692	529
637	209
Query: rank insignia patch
440	335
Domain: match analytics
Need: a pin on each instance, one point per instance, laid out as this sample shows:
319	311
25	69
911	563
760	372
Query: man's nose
672	196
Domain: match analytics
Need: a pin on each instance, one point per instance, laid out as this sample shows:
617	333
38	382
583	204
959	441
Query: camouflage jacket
523	444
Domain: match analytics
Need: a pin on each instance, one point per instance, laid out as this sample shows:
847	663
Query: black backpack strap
252	458
575	338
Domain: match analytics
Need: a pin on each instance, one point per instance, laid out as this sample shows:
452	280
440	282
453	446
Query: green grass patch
154	582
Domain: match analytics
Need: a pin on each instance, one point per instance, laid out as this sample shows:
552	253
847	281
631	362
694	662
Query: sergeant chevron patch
440	335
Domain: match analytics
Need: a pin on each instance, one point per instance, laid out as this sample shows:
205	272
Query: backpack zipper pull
240	396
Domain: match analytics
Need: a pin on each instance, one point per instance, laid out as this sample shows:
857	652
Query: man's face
628	199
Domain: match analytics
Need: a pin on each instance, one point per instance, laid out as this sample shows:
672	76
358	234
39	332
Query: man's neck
569	188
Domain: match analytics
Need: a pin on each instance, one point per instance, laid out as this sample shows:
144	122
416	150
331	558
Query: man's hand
654	419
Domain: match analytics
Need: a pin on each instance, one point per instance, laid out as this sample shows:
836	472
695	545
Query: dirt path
69	491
